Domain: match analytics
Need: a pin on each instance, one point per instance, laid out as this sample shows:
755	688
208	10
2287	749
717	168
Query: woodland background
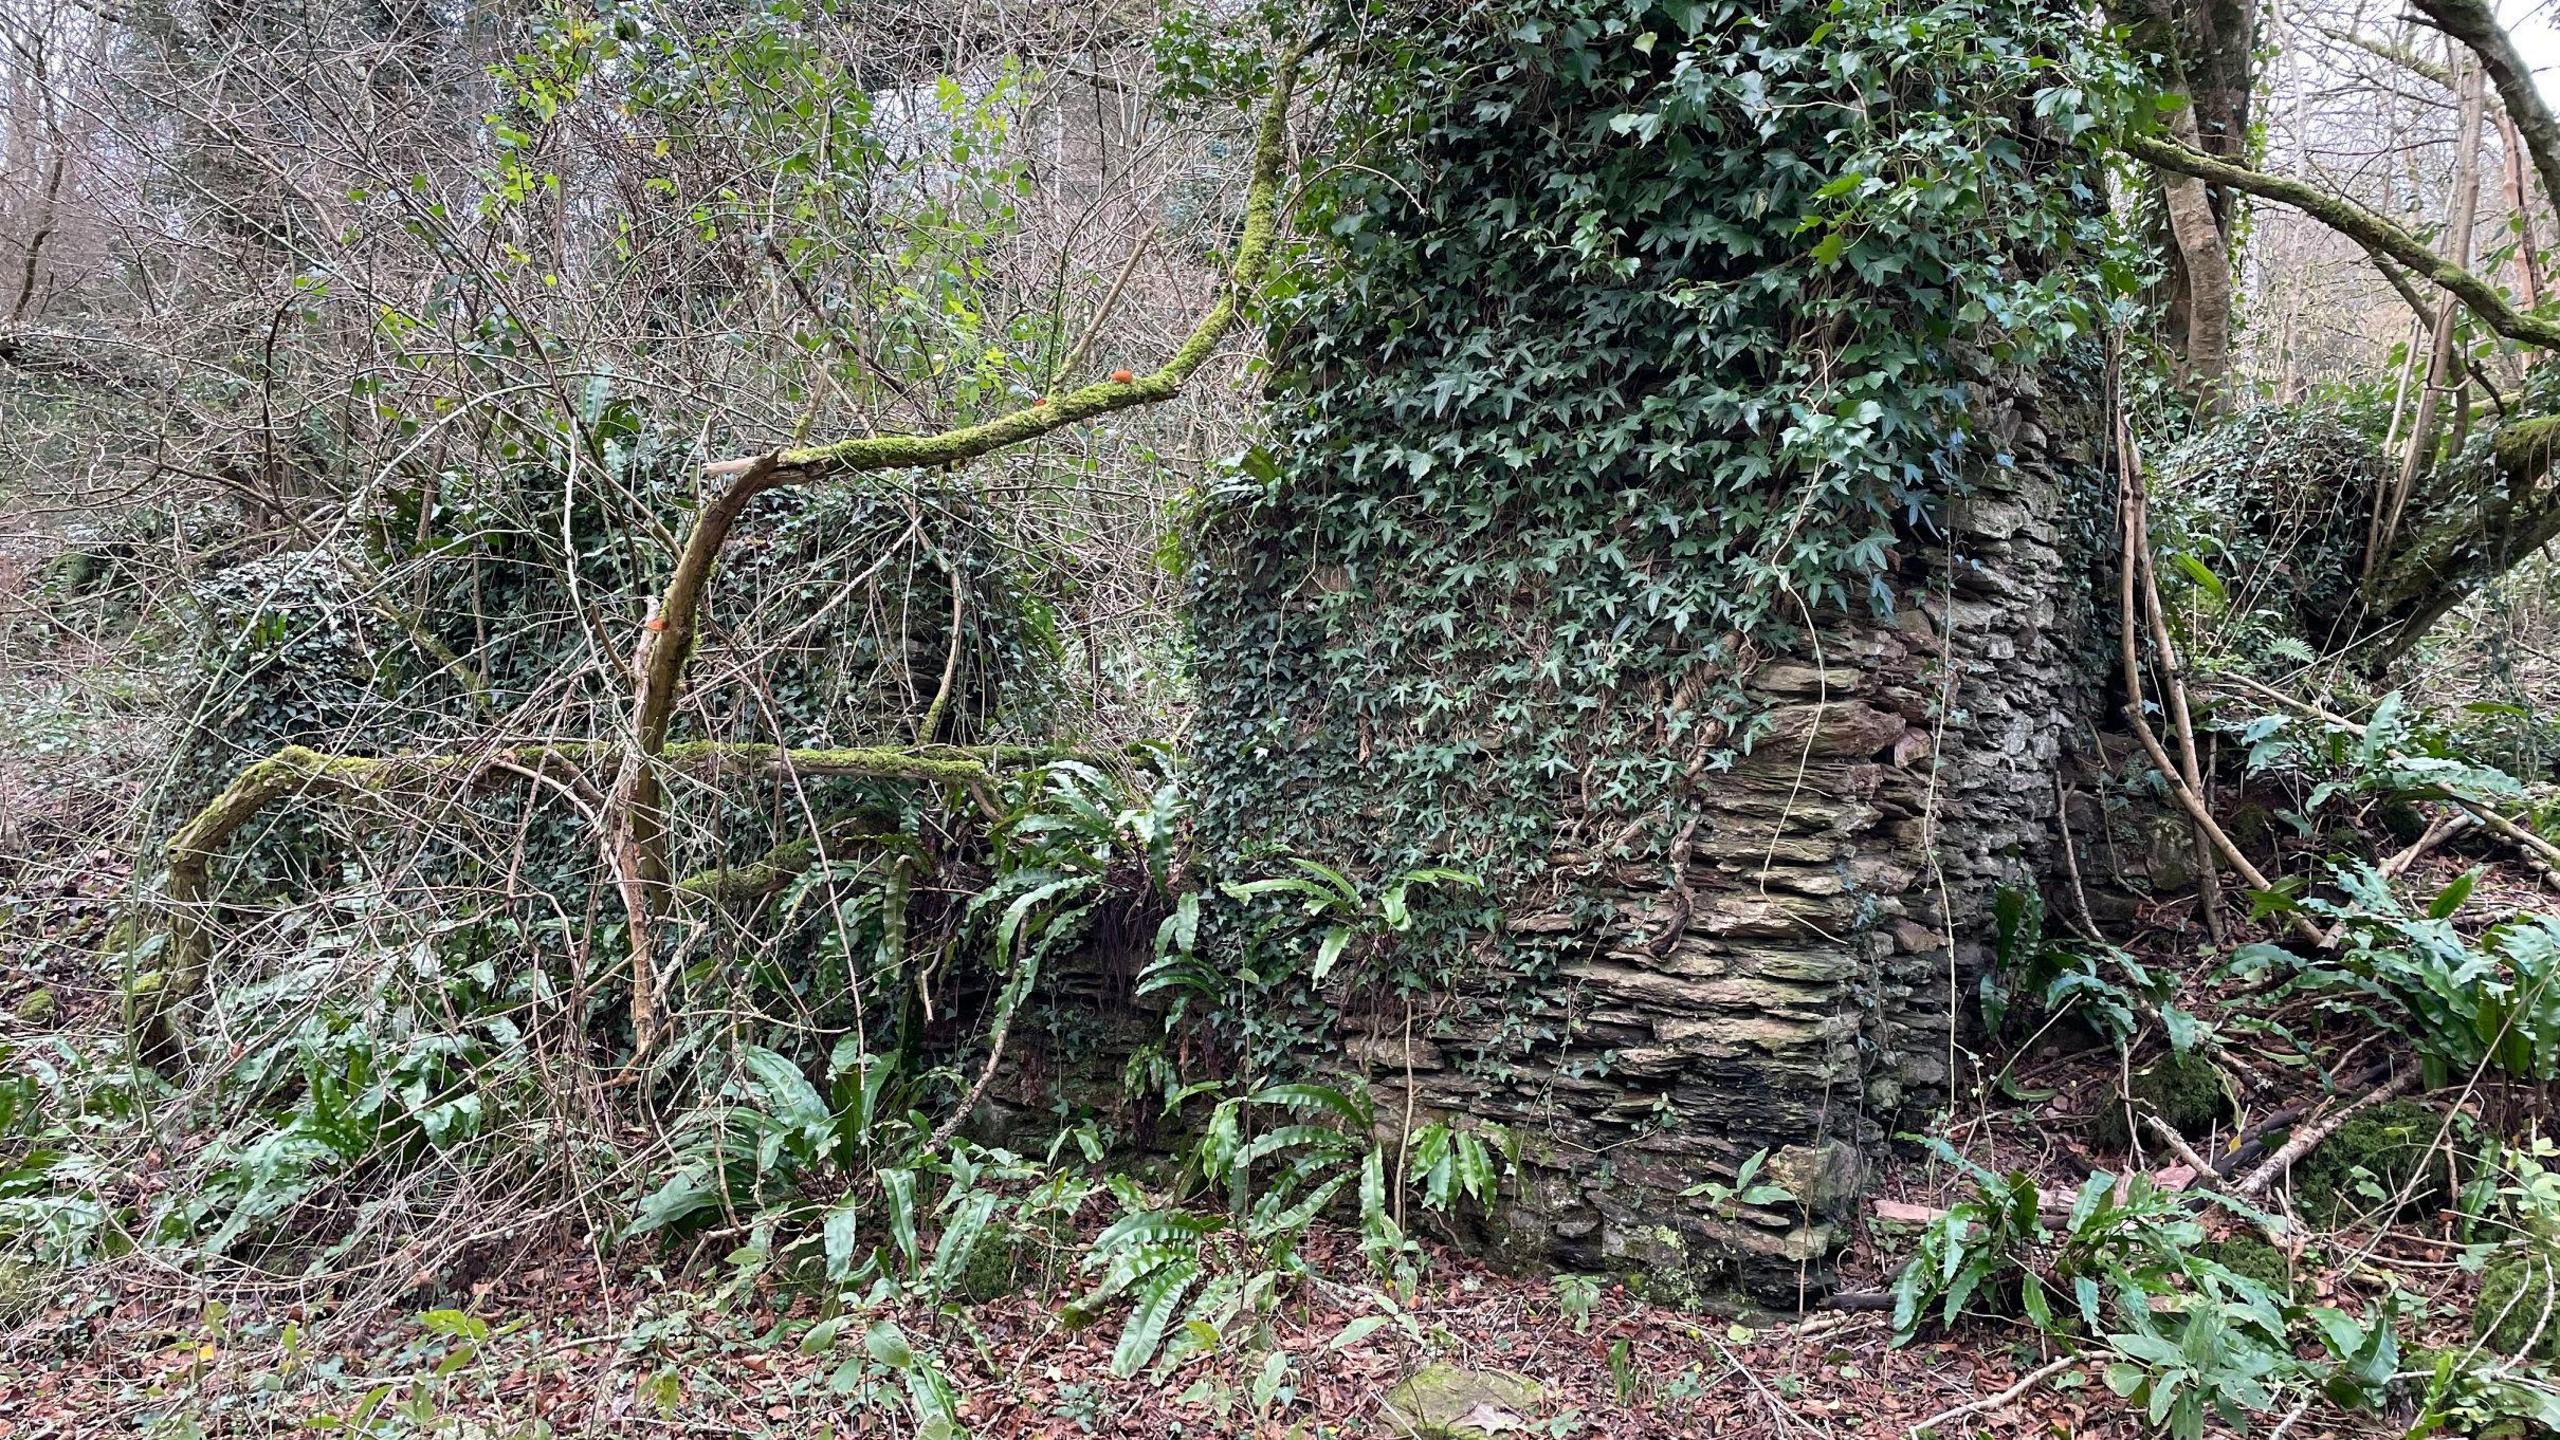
620	801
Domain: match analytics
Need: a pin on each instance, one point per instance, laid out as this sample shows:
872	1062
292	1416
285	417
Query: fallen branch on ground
2312	1134
2026	1382
2251	1142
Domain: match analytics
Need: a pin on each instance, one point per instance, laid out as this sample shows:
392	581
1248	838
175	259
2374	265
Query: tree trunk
2207	53
2206	264
2528	258
2461	208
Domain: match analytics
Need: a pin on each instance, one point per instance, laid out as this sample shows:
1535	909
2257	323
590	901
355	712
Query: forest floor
586	1353
557	1340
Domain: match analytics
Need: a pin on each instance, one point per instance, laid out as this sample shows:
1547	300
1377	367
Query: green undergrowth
2518	1311
2189	1091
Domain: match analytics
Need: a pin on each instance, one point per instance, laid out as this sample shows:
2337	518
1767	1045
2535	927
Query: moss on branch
2357	224
1245	274
297	771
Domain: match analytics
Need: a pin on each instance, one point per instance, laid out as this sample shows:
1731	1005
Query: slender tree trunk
2461	208
2208	269
2520	199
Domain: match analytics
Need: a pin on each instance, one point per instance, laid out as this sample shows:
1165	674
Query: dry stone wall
1798	981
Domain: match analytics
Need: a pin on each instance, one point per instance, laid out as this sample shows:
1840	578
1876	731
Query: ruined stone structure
1801	984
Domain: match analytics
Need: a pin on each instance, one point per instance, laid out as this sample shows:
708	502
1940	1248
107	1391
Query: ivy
1631	339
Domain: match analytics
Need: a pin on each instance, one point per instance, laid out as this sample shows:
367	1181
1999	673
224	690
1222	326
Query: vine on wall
1638	337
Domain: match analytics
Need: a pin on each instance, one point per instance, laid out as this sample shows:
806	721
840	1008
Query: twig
2186	1153
2319	1130
2071	859
1858	1300
2173	694
2437	833
2025	1383
995	1054
2537	849
2136	539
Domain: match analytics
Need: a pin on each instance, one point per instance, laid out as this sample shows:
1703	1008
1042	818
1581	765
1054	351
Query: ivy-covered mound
1648	364
2271	509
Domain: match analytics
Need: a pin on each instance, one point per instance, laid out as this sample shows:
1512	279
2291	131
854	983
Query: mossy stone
37	1007
2404	821
22	1290
2254	827
1010	1258
2520	1306
2380	1151
2187	1090
1444	1402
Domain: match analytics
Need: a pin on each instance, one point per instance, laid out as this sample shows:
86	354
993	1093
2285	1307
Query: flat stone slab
1446	1402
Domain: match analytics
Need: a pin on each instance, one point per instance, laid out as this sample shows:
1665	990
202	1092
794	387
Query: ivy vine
1631	339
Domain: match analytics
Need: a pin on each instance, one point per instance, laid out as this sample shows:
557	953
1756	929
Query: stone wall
1789	989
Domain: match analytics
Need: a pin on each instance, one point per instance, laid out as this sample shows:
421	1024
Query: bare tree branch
2476	25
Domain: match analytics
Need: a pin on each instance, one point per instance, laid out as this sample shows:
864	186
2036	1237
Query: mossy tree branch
665	646
297	771
2360	225
2506	512
2491	519
2400	55
635	842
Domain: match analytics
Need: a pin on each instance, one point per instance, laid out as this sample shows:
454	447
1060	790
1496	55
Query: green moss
2404	821
2254	827
1443	1402
2520	1306
37	1007
22	1290
2380	1152
2253	1259
2188	1091
2524	447
883	761
1009	1259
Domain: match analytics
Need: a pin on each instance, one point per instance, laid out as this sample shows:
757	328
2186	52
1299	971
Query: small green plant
2465	1393
1575	1296
2493	1000
2209	1363
2121	1237
2395	754
2188	1336
1330	898
1727	1201
1275	1182
2101	985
